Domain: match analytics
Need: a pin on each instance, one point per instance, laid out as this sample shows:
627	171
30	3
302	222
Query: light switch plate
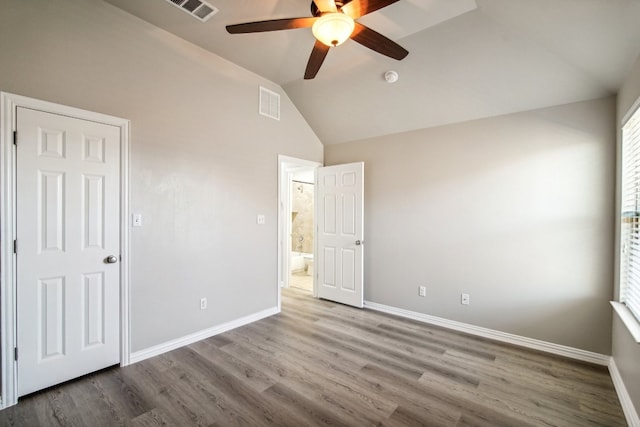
260	219
464	299
137	220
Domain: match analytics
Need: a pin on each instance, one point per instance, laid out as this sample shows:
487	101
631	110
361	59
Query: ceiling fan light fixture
333	29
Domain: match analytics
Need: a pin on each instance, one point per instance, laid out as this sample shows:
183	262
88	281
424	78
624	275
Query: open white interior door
340	220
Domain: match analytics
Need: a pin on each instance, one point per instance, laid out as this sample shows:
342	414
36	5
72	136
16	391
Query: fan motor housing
316	12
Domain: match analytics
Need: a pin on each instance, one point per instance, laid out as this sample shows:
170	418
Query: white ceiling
468	59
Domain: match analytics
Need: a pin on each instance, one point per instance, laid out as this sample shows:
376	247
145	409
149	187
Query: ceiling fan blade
358	8
271	25
376	41
316	59
326	5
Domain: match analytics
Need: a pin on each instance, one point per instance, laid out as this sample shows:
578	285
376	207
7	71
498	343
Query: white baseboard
561	350
159	349
629	410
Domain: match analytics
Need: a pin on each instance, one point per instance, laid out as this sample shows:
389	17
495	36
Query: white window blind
630	221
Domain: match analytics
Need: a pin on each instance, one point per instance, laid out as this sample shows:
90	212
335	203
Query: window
630	219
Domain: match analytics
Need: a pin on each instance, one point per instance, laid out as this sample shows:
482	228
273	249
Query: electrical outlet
422	291
464	299
203	303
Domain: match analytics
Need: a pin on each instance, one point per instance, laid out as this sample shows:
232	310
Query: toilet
308	262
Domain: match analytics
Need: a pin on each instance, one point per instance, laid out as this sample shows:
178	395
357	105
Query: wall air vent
269	103
197	8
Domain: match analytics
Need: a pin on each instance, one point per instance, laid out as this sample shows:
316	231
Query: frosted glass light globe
333	29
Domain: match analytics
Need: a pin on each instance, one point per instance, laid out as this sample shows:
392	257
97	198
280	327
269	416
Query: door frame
286	166
8	280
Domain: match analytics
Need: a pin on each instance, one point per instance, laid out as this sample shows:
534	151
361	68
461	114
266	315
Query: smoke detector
391	76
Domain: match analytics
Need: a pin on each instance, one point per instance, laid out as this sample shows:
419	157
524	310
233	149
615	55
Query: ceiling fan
332	22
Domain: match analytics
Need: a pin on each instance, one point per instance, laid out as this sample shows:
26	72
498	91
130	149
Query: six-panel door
340	233
68	224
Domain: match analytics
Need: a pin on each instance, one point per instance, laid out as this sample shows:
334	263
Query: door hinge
15	137
15	246
15	353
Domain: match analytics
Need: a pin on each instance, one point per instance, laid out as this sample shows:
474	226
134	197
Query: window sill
628	319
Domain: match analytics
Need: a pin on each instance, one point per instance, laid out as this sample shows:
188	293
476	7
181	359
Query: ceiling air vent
197	8
269	103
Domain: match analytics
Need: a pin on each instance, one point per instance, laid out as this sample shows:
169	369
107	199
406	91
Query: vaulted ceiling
468	59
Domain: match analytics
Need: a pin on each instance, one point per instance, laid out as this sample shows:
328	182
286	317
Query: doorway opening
296	224
301	266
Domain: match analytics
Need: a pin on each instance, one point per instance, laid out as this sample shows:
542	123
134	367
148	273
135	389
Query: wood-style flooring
320	363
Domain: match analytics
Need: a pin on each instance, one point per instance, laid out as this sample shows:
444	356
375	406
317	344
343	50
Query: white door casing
340	237
68	173
9	104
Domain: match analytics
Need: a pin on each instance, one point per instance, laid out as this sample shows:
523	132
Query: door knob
358	242
111	259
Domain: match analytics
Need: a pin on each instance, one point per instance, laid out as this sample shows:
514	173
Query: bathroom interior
302	233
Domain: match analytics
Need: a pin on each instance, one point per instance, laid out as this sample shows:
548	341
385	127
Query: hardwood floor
320	363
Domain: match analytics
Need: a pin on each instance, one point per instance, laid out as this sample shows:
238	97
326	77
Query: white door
68	240
340	233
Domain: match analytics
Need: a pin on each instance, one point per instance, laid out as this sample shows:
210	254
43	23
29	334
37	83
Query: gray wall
515	210
626	352
203	162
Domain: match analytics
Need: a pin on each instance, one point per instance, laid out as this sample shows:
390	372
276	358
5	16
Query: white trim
7	258
629	320
125	261
159	349
629	410
557	349
8	106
